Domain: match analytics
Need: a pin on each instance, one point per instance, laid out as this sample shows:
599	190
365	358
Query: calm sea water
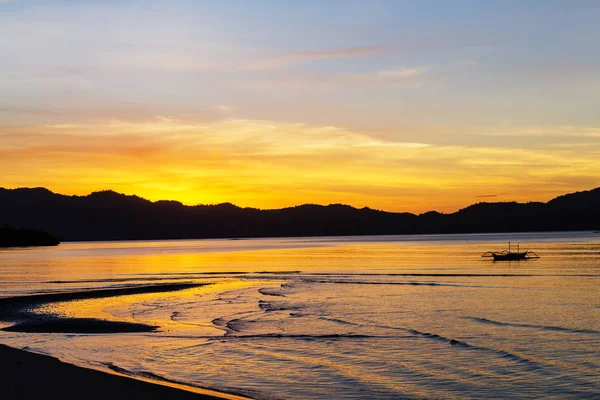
350	318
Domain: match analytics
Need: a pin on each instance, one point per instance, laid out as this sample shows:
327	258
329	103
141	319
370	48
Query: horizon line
283	208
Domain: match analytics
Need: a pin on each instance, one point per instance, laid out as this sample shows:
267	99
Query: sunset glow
274	104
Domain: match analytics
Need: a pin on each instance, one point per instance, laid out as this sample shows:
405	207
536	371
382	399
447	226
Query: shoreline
27	375
20	310
445	236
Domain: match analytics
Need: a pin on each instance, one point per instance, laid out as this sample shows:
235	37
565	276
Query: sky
395	105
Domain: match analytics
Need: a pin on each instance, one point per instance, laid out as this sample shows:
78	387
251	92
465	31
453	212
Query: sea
366	317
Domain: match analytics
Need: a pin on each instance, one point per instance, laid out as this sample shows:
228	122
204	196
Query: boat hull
509	256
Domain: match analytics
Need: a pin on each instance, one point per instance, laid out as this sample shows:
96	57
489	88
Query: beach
34	376
28	375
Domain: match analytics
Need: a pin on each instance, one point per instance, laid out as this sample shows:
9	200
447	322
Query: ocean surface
379	317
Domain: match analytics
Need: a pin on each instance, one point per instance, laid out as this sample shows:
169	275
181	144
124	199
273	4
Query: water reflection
379	317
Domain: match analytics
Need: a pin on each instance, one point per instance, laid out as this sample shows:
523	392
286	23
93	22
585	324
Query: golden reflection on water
372	318
119	308
71	266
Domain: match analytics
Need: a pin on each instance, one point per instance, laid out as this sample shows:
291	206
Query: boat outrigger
508	255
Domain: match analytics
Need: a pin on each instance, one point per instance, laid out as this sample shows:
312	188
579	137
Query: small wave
277	272
444	274
450	341
270	292
220	322
435	336
268	307
176	314
544	327
382	283
235	325
459	343
339	321
332	336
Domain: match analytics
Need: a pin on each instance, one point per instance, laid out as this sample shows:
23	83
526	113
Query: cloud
280	61
404	76
408	77
265	163
275	164
401	73
224	108
233	60
565	131
163	119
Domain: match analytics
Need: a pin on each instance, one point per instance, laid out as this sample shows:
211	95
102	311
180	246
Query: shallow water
382	317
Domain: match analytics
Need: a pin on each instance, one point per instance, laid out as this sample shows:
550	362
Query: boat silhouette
509	255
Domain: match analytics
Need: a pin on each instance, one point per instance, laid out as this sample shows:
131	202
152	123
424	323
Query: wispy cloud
400	77
280	61
566	131
276	164
163	118
235	59
401	73
224	108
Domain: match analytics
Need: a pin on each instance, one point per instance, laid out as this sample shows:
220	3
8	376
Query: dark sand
25	376
79	325
21	311
96	293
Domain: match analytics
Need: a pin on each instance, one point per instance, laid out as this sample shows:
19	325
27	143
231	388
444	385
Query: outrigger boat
508	255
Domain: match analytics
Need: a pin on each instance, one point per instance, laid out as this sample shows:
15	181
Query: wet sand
27	376
21	311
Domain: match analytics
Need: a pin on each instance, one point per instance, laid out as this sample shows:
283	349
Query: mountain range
108	215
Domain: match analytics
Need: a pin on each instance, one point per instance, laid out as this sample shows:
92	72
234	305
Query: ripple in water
387	320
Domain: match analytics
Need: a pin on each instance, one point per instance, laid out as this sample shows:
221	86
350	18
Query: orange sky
267	164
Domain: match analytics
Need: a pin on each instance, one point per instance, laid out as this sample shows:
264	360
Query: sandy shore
21	311
27	376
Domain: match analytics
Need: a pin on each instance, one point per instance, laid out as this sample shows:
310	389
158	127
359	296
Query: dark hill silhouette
14	237
108	215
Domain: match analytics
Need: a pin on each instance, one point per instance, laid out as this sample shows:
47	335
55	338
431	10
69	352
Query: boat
508	255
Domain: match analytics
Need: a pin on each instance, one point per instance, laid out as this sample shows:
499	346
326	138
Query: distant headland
14	237
108	215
